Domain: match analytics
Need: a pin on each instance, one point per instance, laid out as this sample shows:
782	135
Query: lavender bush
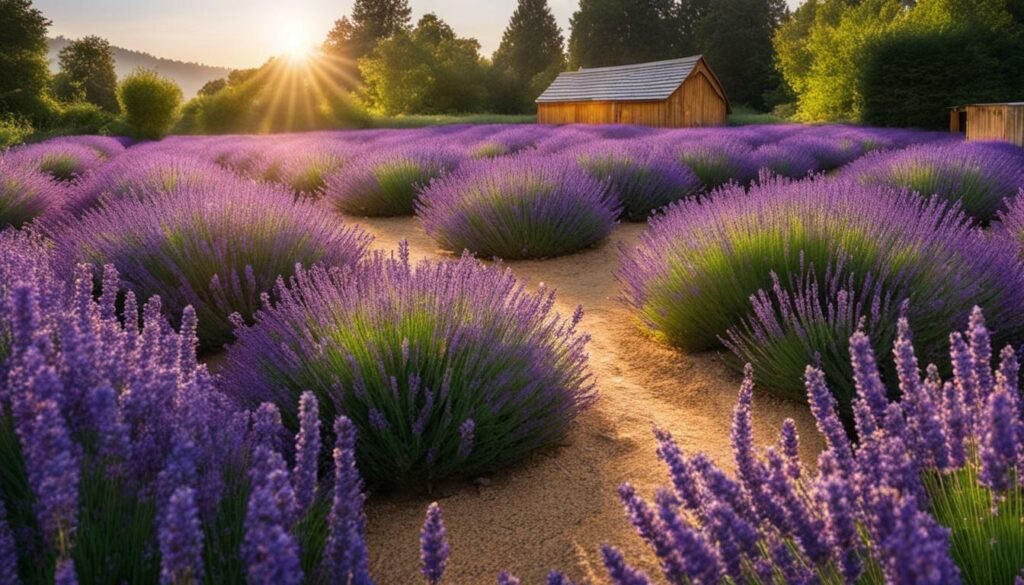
716	161
693	274
216	247
387	183
144	175
65	161
25	194
518	207
447	368
306	168
979	177
642	179
790	161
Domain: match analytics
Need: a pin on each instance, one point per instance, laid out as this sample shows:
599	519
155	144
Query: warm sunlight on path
557	508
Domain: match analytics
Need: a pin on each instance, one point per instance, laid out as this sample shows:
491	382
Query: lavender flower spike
823	406
181	541
307	452
65	574
8	552
998	440
506	579
433	545
345	556
556	578
620	572
270	553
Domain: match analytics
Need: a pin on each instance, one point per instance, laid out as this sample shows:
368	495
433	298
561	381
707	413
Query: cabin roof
654	81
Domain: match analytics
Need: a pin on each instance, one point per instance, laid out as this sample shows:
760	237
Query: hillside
190	76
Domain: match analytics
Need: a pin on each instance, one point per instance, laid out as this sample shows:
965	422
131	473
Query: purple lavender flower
643	179
823	406
839	500
618	570
689	554
8	551
556	578
999	440
307	452
270	553
684	480
450	342
217	247
267	430
691	276
518	207
658	532
345	556
388	182
25	194
433	546
977	177
181	540
65	573
63	160
506	579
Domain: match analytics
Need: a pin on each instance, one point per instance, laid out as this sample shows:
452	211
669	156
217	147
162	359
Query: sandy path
555	509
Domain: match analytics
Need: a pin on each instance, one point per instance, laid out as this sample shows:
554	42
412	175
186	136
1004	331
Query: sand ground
555	509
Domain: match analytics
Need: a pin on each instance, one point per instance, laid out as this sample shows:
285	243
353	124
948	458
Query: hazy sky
243	33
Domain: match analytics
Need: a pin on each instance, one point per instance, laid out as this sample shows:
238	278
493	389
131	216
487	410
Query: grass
743	116
446	120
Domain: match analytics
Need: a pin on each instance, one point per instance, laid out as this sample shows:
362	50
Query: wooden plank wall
996	122
696	103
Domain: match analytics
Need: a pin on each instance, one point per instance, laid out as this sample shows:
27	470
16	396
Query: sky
244	33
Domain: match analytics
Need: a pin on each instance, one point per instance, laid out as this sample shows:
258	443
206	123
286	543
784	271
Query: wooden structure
990	122
668	94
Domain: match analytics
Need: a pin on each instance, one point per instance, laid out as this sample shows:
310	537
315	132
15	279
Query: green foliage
372	21
85	118
24	75
735	37
912	79
620	32
150	103
14	130
897	63
426	71
87	73
987	533
213	86
530	56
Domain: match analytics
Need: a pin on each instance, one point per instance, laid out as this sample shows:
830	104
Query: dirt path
558	507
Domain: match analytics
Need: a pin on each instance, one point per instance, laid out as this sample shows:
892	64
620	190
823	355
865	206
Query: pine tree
735	36
530	55
620	32
24	75
375	20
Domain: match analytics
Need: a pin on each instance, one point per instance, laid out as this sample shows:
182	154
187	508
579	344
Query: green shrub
149	102
13	130
84	118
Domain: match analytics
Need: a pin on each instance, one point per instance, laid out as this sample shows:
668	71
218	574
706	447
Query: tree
531	53
428	70
24	76
150	103
372	21
736	38
620	32
688	16
87	73
213	86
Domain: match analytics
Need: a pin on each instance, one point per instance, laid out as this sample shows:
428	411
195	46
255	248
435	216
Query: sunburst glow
294	42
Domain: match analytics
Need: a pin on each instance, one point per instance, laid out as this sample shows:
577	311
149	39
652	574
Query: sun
294	43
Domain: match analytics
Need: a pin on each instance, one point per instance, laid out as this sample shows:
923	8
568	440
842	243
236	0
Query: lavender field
511	354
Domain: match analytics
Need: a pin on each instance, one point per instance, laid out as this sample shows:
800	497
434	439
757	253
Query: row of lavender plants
221	231
123	461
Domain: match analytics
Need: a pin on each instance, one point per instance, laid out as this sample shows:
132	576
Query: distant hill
190	76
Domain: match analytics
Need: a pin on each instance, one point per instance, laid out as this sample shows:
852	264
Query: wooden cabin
989	122
668	94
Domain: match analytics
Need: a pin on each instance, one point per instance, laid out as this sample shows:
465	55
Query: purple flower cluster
141	176
692	276
642	179
62	159
977	176
25	194
518	207
216	247
388	182
445	368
